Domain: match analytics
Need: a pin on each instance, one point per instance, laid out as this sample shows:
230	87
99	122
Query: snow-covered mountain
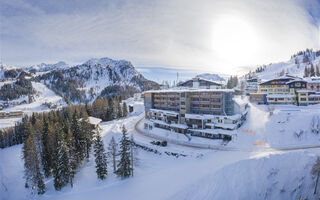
43	67
85	82
213	77
6	70
295	66
97	77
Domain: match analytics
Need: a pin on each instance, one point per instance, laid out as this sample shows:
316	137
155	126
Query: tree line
311	71
58	142
232	82
105	109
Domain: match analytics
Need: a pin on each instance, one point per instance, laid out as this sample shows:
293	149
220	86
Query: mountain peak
106	62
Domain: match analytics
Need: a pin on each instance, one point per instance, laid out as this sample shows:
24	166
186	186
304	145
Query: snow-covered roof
159	122
304	91
240	101
280	96
184	89
226	126
296	80
182	126
195	116
314	81
211	131
314	95
94	121
167	112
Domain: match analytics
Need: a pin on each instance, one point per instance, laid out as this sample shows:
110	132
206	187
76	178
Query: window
183	103
303	99
183	95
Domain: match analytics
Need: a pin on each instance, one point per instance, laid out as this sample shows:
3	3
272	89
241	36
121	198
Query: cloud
163	33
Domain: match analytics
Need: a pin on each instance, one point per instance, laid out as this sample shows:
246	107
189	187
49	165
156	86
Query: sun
234	38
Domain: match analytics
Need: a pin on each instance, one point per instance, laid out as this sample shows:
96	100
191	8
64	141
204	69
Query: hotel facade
288	90
194	111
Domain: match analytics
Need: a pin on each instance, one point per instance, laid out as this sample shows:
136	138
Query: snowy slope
280	176
295	66
43	95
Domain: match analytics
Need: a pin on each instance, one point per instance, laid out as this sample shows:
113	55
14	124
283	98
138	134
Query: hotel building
194	111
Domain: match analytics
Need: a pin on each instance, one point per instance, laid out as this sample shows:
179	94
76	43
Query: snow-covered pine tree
100	157
45	154
133	154
124	165
306	72
112	151
317	70
124	109
33	175
110	111
118	108
61	171
75	129
86	136
72	157
312	71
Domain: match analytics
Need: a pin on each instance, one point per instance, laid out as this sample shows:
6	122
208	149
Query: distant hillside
295	66
97	77
82	83
43	67
213	77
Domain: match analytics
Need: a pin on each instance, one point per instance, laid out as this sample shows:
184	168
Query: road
222	148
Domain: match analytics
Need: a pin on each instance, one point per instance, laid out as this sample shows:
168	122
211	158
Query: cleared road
221	148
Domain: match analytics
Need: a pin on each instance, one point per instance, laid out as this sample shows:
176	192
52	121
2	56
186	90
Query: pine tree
110	111
124	109
124	165
317	70
133	154
306	72
72	157
312	72
76	132
112	151
33	175
117	108
100	157
45	154
85	136
61	171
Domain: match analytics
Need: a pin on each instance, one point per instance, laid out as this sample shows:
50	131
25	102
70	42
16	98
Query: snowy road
221	148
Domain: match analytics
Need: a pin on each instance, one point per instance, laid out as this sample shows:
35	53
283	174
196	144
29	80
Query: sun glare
235	38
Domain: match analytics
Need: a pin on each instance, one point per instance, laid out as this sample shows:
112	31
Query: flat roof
280	96
179	90
168	112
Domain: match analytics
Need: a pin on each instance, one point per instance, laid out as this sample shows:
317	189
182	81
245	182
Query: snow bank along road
221	148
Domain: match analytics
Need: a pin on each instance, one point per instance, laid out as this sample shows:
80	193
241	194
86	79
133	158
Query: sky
225	36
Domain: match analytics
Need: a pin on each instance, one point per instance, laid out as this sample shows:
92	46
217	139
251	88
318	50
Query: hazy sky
205	35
